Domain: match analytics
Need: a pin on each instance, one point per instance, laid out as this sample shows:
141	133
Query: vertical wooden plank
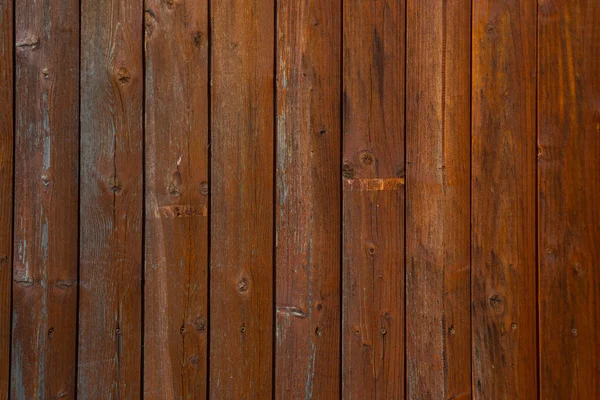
242	135
308	199
438	134
569	194
44	318
110	322
373	199
6	187
176	245
503	200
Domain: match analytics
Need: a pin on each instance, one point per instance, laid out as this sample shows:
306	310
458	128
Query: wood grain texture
438	154
176	245
242	156
503	200
6	187
44	320
110	321
569	194
373	220
308	200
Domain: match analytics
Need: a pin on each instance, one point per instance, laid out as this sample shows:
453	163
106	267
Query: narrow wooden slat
6	187
242	130
373	220
438	342
503	200
110	322
569	194
176	245
46	168
308	199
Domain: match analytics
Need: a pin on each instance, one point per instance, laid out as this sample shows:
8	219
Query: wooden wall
354	199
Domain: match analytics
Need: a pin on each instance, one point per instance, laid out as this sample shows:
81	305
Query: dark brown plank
308	199
241	286
373	199
6	187
438	106
110	322
503	200
176	245
569	194
46	168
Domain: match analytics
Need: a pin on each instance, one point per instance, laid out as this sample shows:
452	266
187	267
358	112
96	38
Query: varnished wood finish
6	180
44	318
242	151
373	220
438	199
176	228
110	317
568	198
503	241
307	342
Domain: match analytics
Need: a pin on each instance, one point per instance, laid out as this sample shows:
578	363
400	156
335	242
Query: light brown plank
242	155
6	187
308	200
44	320
568	196
438	134
503	200
110	322
176	245
373	220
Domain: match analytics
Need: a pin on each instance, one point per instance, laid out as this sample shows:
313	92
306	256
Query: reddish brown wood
176	265
569	195
308	199
45	233
45	270
373	215
6	187
503	200
110	323
438	154
241	286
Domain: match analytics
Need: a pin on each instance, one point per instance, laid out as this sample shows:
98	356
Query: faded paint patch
369	185
181	211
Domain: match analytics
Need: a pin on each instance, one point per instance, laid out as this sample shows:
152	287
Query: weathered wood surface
438	106
44	311
176	200
568	198
299	199
373	220
6	187
503	248
307	343
111	196
242	151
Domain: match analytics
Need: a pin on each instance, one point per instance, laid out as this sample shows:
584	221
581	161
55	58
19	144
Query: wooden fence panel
110	320
503	200
242	161
373	199
44	319
176	228
6	187
307	342
568	196
438	134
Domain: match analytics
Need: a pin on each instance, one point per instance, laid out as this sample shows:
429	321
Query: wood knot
3	260
194	360
451	330
204	188
497	303
50	333
149	22
318	332
347	171
243	285
383	331
115	185
243	330
45	180
45	73
367	158
123	75
200	324
198	38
